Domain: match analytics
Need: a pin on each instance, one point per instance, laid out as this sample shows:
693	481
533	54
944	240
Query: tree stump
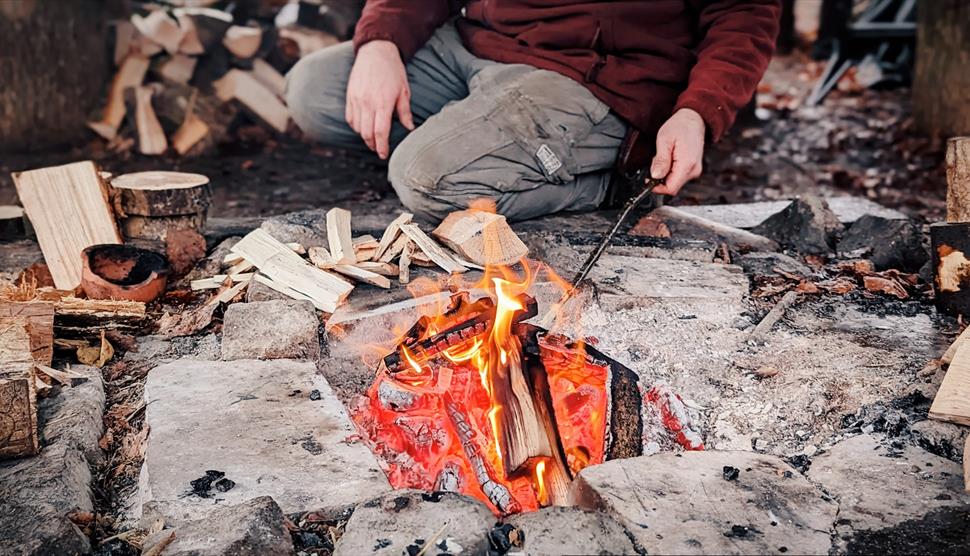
941	84
958	179
162	193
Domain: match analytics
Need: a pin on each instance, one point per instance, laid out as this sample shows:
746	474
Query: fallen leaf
860	267
839	286
650	226
96	356
807	287
878	284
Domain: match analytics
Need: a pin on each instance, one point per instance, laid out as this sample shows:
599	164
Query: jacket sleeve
737	41
407	23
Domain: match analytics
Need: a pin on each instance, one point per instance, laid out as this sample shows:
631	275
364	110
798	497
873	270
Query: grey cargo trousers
533	141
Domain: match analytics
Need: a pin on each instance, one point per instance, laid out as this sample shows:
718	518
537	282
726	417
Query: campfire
475	400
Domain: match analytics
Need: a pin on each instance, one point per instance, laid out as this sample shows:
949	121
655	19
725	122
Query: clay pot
123	272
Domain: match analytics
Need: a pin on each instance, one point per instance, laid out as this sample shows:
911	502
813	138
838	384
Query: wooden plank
254	96
390	234
952	401
18	410
339	236
485	238
68	208
432	249
952	350
362	275
287	269
39	323
404	270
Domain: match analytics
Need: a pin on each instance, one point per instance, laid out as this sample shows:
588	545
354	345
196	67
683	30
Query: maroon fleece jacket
644	58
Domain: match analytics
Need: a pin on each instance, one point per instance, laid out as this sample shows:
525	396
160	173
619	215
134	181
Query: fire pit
476	401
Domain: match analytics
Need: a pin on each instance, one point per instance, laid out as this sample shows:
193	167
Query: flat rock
18	255
253	527
157	350
308	228
256	422
943	439
878	486
683	504
766	264
271	330
749	215
567	530
629	281
389	524
807	225
258	291
888	243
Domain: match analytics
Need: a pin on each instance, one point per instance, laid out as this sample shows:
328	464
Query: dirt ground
857	142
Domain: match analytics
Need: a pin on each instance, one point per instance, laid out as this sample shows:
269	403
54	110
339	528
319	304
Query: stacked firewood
187	76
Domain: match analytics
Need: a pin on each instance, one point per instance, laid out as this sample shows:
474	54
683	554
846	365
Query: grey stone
75	416
18	255
388	524
628	281
887	243
258	291
253	527
36	496
943	439
254	421
878	486
749	215
158	349
308	227
567	530
212	264
682	504
271	330
764	264
807	226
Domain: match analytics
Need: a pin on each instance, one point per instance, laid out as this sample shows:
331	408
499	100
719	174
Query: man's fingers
382	133
403	108
680	172
349	113
660	166
366	126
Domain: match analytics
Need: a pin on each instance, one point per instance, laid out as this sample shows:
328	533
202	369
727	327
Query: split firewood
484	238
151	137
161	28
432	249
365	247
321	258
268	76
384	269
37	318
12	225
394	250
364	255
254	96
952	401
243	42
404	270
307	40
391	233
62	377
231	259
69	211
204	28
362	275
282	288
219	280
125	35
189	134
174	103
287	269
339	236
178	68
18	410
296	248
130	74
162	193
240	267
420	258
186	323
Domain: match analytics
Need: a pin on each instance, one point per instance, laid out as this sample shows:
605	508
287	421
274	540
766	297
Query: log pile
186	76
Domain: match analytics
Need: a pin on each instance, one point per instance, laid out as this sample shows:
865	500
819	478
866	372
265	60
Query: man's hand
378	87
680	151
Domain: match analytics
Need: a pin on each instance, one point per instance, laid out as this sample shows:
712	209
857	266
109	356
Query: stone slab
256	422
75	416
683	503
389	524
279	329
879	486
627	281
254	527
567	530
749	215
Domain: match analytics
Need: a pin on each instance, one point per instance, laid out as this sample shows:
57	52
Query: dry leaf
878	284
96	356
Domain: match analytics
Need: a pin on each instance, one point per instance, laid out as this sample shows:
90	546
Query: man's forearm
739	39
407	23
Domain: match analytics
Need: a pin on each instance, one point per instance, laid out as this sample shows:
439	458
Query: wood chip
404	271
377	267
390	234
339	236
362	275
437	254
394	250
321	258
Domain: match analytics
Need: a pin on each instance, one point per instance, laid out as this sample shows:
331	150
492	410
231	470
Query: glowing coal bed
438	418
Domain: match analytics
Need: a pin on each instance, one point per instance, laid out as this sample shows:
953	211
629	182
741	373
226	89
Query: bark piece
18	410
68	208
285	268
958	179
484	238
162	193
807	226
38	320
254	96
391	233
339	236
952	401
157	228
430	248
